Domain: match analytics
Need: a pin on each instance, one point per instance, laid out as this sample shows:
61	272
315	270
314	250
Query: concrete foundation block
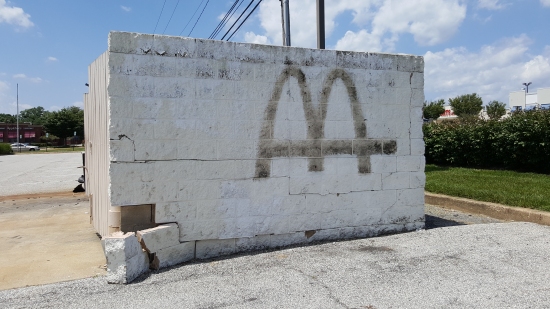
214	247
174	255
160	237
260	242
125	258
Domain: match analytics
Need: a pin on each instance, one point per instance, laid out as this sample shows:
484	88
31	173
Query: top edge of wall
186	47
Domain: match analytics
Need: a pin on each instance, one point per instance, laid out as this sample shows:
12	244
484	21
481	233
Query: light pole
17	121
526	92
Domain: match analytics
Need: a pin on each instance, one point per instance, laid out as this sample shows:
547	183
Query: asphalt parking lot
39	173
460	261
495	265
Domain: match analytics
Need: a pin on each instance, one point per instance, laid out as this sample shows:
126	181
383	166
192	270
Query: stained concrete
47	239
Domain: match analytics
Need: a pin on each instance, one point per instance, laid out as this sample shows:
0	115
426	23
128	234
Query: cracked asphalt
493	265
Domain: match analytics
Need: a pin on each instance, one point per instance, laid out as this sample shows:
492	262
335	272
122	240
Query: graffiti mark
315	147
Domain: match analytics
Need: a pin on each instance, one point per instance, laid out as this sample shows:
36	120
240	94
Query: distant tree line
464	106
61	124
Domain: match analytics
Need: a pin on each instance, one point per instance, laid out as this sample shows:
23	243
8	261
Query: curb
492	210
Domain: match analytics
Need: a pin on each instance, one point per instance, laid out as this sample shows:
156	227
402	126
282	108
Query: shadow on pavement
435	222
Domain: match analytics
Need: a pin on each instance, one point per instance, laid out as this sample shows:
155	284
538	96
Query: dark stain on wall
316	147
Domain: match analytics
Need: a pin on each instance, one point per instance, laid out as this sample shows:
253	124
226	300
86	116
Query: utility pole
286	22
282	23
321	24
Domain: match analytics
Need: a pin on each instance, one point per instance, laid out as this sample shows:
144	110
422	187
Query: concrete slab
39	173
47	239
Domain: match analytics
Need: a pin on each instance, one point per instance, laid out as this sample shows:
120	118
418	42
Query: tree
496	109
7	118
433	109
65	122
466	105
36	115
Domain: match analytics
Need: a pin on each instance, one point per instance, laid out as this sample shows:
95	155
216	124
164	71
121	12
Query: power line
245	20
222	22
198	7
198	18
252	1
159	17
230	16
171	16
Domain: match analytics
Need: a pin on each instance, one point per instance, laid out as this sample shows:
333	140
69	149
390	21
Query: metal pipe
321	24
286	15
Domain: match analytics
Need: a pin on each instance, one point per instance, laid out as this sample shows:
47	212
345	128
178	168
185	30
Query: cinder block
417	147
399	180
236	149
417	180
122	150
160	237
125	258
408	197
283	240
256	243
214	247
175	212
410	163
383	164
304	222
337	219
177	254
132	129
153	150
323	235
403	215
205	149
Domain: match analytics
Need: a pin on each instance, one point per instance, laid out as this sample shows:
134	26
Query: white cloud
14	15
492	4
429	21
126	8
359	41
54	108
79	104
492	72
250	37
380	21
25	77
52	59
545	2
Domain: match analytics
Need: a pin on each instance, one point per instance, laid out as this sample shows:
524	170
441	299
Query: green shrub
520	142
5	149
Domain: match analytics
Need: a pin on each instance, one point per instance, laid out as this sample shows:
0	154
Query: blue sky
486	46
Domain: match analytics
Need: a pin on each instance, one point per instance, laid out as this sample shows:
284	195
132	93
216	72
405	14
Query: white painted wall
193	123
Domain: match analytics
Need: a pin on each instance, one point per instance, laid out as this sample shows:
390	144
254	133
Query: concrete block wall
251	146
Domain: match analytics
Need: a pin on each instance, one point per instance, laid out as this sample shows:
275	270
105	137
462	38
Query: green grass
527	190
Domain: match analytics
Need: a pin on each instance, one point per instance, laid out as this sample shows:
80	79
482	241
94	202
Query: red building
28	133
